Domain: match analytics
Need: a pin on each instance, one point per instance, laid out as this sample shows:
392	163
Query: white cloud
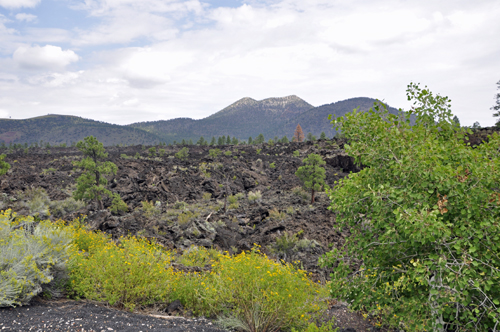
124	21
13	4
25	17
183	58
46	57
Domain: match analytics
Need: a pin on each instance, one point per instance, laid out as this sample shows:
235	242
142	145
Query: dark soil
197	187
83	316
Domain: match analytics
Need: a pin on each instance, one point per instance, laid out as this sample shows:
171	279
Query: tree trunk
312	196
434	283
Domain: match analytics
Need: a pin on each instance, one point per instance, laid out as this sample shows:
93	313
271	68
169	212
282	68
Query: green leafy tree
496	107
91	185
424	219
322	135
312	173
4	166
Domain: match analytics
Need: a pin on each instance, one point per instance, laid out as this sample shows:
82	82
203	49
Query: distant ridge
65	129
242	119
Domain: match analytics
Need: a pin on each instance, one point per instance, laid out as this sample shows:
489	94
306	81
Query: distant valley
272	117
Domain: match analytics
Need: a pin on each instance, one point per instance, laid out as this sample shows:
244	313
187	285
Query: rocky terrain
180	203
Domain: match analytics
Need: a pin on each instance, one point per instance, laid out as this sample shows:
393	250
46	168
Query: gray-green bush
33	259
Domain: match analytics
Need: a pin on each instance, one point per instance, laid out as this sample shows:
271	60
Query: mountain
315	120
58	129
242	119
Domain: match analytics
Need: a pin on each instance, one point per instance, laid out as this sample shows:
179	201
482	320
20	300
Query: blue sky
125	61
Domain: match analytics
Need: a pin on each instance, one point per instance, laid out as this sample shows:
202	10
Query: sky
126	61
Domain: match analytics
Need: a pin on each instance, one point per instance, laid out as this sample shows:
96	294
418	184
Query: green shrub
299	191
296	153
182	154
151	210
36	200
180	205
204	170
61	208
185	217
33	258
277	215
48	170
423	217
228	153
4	166
152	151
254	196
117	204
214	153
272	165
207	196
327	327
232	199
161	152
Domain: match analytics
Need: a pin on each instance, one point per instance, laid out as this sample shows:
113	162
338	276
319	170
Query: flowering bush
133	272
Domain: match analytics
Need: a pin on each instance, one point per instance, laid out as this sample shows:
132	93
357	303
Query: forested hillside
272	117
64	129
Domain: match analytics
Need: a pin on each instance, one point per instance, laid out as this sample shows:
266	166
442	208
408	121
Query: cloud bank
125	61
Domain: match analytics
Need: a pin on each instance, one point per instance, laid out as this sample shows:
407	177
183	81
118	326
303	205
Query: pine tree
212	142
250	140
312	173
322	136
201	141
4	166
235	141
228	140
260	139
221	140
284	140
298	135
91	184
